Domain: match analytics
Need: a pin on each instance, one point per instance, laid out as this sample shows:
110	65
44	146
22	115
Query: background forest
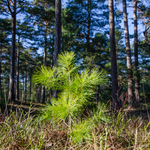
75	60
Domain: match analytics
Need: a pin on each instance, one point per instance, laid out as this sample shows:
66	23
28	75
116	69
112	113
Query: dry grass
23	132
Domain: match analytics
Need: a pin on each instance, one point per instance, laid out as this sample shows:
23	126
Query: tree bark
1	72
44	57
30	85
137	84
128	56
57	30
89	24
88	34
145	34
57	34
113	56
25	95
12	70
18	50
23	90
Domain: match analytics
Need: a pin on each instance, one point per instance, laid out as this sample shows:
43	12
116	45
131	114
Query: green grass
98	131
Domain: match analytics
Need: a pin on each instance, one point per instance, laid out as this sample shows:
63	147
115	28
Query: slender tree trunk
88	34
18	50
113	55
4	87
38	94
57	30
137	84
145	34
51	52
128	56
57	34
25	95
30	85
12	70
89	25
23	90
44	57
0	72
51	60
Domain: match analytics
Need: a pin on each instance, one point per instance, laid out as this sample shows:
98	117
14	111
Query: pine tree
113	55
137	84
43	14
5	28
128	56
57	30
13	8
76	89
79	31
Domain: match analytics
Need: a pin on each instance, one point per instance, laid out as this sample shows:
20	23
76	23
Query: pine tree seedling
75	87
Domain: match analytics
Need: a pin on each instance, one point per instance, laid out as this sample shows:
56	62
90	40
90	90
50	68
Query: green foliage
82	131
100	116
76	87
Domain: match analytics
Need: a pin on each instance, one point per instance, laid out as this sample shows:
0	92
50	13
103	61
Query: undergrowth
98	131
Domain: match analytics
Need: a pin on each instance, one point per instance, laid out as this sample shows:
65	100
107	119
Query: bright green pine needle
75	88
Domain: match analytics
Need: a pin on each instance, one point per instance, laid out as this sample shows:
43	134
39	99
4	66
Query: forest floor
142	111
129	130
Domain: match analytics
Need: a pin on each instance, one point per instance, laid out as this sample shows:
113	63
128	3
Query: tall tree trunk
137	84
12	70
113	55
30	85
88	33
17	73
1	72
57	30
25	95
128	56
23	90
4	88
44	57
89	25
57	34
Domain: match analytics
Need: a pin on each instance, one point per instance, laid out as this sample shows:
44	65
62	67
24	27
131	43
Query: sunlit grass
97	131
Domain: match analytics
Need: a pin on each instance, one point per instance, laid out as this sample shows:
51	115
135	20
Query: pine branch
8	4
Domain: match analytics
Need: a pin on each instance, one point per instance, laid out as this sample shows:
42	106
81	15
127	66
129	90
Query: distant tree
17	69
82	19
113	55
128	56
5	30
57	30
43	16
144	14
12	8
12	70
25	32
137	81
57	49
